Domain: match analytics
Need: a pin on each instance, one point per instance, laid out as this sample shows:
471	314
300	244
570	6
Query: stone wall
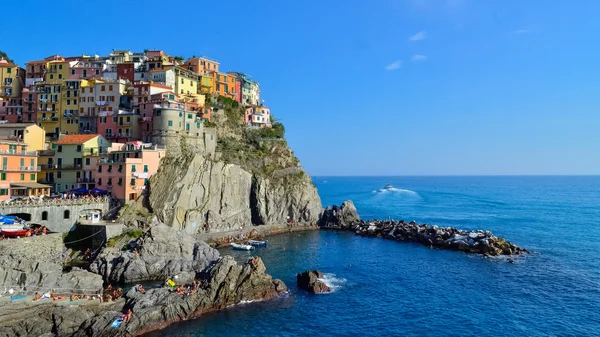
56	216
177	142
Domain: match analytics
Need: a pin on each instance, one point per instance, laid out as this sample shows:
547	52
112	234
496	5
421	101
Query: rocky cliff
253	179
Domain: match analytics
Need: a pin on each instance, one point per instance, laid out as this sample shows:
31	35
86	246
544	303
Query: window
22	161
103	88
97	72
109	181
4	191
145	181
87	161
59	148
72	71
58	174
51	76
32	177
145	168
32	162
22	176
198	125
110	88
187	127
170	123
2	176
8	70
45	215
59	76
190	116
78	148
132	182
68	102
60	66
132	168
120	181
66	214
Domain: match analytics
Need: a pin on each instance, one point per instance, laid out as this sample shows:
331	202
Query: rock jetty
345	217
311	280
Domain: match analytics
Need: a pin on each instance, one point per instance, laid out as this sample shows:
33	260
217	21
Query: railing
130	123
43	202
60	167
46	153
94	152
19	169
86	180
19	153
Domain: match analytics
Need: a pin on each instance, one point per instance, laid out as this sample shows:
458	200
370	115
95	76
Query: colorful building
225	85
73	164
186	82
30	134
88	67
69	119
258	116
201	65
12	80
125	171
207	85
18	171
249	89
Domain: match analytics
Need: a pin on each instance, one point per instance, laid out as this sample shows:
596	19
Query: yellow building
207	84
69	116
12	79
49	107
57	71
186	82
30	134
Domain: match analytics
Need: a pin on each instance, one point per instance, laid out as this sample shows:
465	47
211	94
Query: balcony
46	153
101	103
20	169
18	153
47	181
49	119
86	180
125	123
60	167
94	152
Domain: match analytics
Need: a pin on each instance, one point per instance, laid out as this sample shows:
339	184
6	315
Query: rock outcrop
311	280
340	217
222	284
161	252
475	241
189	192
36	264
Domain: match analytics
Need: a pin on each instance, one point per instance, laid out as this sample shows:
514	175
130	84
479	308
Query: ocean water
384	287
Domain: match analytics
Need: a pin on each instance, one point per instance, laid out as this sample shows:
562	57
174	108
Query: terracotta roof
76	139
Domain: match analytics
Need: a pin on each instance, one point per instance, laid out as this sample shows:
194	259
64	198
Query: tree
3	55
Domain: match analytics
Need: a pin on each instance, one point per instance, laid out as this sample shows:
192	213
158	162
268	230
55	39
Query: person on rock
37	296
129	315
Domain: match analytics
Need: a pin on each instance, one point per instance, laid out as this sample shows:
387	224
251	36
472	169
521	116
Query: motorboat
257	243
238	246
388	187
14	233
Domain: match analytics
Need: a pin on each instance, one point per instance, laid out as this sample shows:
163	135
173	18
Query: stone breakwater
345	217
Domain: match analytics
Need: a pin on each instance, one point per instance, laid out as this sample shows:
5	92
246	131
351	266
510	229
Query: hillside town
101	124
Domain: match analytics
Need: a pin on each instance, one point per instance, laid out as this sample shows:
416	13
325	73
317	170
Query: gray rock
340	217
163	252
310	280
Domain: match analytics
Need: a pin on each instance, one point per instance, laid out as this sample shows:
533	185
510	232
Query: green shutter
32	176
132	168
145	168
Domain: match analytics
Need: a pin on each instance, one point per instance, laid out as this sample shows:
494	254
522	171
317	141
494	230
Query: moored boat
238	246
257	243
13	233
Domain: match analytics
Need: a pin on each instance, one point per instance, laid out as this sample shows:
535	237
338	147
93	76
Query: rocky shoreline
482	242
205	282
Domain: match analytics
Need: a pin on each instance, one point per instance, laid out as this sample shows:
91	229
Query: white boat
257	243
388	187
238	246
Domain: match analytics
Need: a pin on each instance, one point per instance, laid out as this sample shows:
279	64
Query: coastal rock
223	284
477	241
36	264
311	280
161	252
340	217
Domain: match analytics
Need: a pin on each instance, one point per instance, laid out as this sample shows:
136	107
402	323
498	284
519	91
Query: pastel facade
258	116
186	82
18	171
225	85
28	133
201	65
73	164
125	171
12	80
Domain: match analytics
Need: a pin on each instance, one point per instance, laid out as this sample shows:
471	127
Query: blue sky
415	87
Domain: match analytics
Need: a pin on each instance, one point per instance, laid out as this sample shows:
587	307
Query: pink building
11	111
145	94
125	171
87	68
258	116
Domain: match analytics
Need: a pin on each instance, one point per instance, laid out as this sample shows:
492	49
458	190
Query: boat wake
333	282
396	190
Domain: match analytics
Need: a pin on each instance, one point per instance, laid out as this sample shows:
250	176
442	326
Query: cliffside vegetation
3	55
263	152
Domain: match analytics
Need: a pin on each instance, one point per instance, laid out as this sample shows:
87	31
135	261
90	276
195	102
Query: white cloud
419	36
522	31
418	58
394	65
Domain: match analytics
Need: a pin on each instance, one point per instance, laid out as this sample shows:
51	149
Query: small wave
397	190
333	282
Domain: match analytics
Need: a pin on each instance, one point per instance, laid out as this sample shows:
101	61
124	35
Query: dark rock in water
162	252
339	217
310	280
477	242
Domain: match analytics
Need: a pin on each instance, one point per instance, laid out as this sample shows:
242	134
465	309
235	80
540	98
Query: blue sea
384	287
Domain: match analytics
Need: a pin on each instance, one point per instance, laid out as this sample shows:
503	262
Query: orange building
201	65
225	85
18	171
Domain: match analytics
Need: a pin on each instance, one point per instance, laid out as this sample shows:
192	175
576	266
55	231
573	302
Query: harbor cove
281	168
